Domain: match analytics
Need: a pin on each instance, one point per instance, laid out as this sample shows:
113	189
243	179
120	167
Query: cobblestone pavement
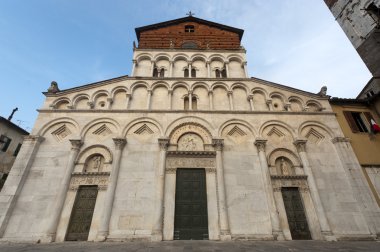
241	246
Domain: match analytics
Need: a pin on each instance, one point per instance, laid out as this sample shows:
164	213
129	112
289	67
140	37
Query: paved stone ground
174	246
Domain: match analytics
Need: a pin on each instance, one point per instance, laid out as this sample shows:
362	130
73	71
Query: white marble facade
128	136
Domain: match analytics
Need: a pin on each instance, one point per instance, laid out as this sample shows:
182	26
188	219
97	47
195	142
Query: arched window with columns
162	72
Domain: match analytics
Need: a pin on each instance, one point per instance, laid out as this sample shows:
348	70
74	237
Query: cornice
191	153
187	112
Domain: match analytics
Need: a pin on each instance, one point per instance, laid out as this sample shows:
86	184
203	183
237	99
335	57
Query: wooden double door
295	213
191	219
81	216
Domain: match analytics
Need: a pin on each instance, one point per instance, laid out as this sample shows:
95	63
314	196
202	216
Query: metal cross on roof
190	14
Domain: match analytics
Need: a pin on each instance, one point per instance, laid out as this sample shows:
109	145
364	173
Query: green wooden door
190	221
296	214
81	216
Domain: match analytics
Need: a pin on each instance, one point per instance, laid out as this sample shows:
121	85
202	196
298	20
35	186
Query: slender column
270	105
190	99
210	98
226	65
170	94
133	67
110	194
127	101
250	99
287	107
152	68
171	68
169	202
189	66
62	191
159	212
149	99
208	69
229	93
224	225
325	227
275	221
110	102
360	188
17	177
245	69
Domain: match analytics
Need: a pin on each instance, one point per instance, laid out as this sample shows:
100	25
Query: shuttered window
358	121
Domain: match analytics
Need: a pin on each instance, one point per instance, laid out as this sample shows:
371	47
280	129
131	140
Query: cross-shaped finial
190	14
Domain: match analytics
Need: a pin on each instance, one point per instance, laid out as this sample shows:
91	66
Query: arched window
186	73
194	103
224	73
193	73
217	73
162	72
186	103
155	72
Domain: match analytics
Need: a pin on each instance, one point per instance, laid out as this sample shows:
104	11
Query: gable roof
187	19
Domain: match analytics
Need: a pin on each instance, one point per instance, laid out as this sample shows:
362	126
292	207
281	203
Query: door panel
191	220
81	216
296	214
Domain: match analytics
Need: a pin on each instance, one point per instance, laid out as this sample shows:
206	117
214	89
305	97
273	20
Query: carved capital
149	91
269	101
128	95
75	144
244	63
229	92
34	138
226	62
134	61
190	92
164	143
91	104
53	106
70	106
218	143
340	140
300	145
170	91
249	97
119	143
210	92
260	144
110	100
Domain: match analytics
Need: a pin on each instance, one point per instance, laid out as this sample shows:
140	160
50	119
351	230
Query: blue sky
75	42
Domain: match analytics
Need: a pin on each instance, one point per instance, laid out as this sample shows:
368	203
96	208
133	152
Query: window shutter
368	116
351	121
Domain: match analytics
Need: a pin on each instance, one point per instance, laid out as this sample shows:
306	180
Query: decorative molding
260	144
89	178
185	162
102	131
291	177
314	136
61	133
192	153
300	145
119	143
218	143
163	143
210	170
190	127
275	131
171	170
236	131
341	140
144	130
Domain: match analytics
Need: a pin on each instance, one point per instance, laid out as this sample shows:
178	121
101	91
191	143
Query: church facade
187	147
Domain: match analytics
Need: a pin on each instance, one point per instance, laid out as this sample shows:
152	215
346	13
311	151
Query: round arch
237	121
42	131
100	120
93	150
140	120
277	123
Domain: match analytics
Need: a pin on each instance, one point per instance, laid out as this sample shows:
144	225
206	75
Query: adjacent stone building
187	147
360	20
11	138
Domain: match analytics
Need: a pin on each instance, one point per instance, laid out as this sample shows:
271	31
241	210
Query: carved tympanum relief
190	142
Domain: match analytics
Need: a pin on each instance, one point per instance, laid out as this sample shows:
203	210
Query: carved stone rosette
300	145
218	143
119	143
